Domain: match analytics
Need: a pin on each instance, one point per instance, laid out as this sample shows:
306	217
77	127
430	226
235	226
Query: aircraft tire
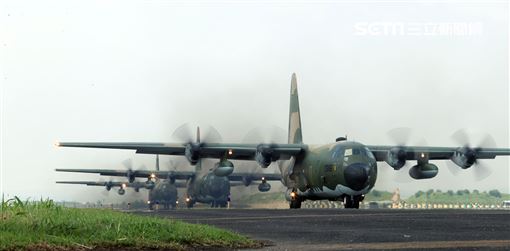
348	202
295	204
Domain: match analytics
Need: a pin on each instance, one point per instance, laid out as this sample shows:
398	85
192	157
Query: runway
340	229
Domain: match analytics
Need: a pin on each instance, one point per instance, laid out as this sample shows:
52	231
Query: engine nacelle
247	181
264	186
108	187
150	184
423	171
130	176
464	157
396	157
121	191
223	168
192	153
265	155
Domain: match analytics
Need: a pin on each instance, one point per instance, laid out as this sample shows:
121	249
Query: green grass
25	225
454	198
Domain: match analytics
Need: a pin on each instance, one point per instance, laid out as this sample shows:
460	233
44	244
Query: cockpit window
369	153
338	152
353	151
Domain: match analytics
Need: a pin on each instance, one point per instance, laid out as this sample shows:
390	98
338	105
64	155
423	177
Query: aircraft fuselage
331	171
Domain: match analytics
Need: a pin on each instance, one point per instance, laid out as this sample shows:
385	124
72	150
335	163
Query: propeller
184	134
105	192
462	138
128	164
401	137
265	134
193	148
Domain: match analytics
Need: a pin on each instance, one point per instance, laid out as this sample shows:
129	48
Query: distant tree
418	194
495	193
450	192
466	191
376	193
430	192
439	191
476	191
460	192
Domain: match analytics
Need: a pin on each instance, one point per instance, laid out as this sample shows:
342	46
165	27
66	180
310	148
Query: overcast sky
135	71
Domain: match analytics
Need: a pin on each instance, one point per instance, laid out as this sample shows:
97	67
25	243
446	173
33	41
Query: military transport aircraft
202	186
342	170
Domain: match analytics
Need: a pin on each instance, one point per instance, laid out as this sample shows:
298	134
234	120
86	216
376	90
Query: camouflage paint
319	172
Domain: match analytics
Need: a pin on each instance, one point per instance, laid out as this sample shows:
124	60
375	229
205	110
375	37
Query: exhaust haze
118	71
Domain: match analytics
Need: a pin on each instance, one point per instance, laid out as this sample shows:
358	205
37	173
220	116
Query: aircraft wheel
348	202
355	203
295	203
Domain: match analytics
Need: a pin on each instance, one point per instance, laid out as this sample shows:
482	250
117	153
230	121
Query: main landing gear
353	201
218	203
189	202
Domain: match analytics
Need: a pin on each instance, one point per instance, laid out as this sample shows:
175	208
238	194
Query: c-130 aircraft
342	171
209	186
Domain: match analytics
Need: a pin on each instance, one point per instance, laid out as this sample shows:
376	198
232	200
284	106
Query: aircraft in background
202	186
111	184
342	170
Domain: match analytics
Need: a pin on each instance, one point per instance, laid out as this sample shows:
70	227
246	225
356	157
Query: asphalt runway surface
341	229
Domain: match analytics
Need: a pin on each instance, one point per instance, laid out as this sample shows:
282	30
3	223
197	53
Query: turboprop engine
223	168
464	157
423	171
122	189
265	155
192	153
150	184
264	186
396	157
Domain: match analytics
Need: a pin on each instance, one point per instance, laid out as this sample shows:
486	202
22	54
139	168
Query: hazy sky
135	71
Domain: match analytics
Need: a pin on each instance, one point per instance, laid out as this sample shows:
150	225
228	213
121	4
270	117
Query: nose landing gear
353	201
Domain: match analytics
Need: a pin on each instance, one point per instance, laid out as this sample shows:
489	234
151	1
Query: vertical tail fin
295	134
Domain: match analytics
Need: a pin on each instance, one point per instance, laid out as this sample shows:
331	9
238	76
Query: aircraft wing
134	173
104	183
206	150
434	153
254	176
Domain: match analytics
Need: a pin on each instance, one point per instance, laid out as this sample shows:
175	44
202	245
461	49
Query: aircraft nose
356	176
